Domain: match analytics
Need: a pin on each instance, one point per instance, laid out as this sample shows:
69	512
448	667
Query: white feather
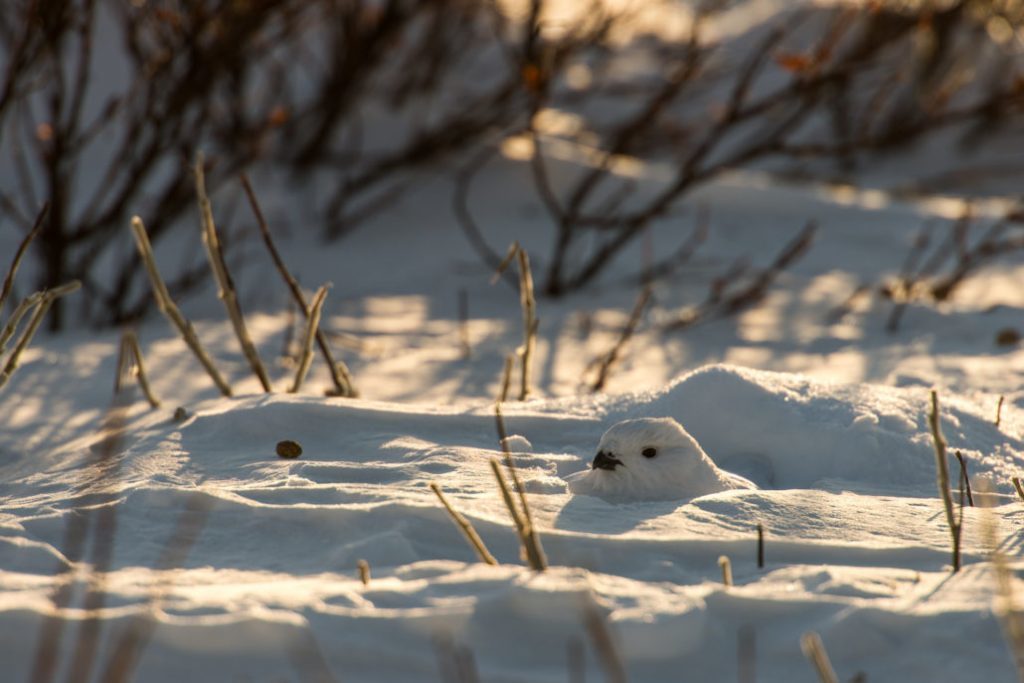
680	469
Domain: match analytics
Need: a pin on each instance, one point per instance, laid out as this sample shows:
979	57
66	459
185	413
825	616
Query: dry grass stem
942	477
24	306
506	496
312	325
506	377
529	306
340	375
5	290
760	546
465	527
609	359
814	650
226	286
364	571
41	307
170	309
531	539
999	410
1006	607
965	482
726	567
129	361
1020	488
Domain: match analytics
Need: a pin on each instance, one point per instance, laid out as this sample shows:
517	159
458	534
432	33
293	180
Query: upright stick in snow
225	285
5	289
528	303
343	384
170	309
527	530
465	527
942	468
129	361
43	302
814	650
307	341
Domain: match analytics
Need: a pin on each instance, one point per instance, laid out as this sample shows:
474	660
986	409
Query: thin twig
5	291
465	527
999	411
760	546
312	324
529	305
609	359
531	539
364	571
340	375
506	377
942	477
24	306
225	284
965	480
170	309
1020	487
726	566
510	504
814	650
43	305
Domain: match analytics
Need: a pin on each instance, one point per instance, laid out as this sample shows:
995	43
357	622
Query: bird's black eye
650	452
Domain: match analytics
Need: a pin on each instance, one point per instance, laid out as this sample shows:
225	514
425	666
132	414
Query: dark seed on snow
289	449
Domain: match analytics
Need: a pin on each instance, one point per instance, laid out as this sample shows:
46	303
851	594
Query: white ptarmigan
652	458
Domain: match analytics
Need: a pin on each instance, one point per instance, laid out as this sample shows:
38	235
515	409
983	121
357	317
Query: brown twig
225	284
729	295
340	375
965	481
942	477
999	411
364	571
312	325
531	539
814	650
5	290
1018	486
760	546
506	377
726	566
42	306
607	361
465	527
129	361
167	306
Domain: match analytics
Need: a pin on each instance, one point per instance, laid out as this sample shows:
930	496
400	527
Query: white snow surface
856	543
233	564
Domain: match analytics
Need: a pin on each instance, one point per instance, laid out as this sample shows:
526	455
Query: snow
240	565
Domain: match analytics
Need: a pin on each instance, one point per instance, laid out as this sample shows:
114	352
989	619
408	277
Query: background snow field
856	544
174	545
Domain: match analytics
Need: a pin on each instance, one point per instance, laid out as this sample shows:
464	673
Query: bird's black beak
605	461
